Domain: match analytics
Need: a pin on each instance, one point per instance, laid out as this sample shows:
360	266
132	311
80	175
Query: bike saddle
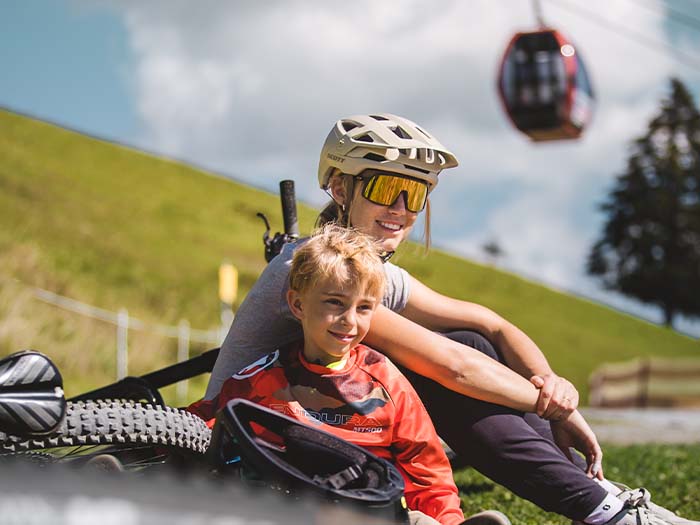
31	395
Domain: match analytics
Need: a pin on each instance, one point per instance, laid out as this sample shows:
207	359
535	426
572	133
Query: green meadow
670	472
114	227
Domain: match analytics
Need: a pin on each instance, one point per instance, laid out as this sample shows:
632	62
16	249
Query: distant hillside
115	227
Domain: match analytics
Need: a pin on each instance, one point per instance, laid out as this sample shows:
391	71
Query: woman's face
389	225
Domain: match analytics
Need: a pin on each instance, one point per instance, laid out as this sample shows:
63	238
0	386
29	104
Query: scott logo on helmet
335	158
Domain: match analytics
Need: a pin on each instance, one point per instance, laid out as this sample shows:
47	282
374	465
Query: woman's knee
475	340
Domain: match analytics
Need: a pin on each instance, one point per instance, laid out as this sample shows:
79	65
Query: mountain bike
298	461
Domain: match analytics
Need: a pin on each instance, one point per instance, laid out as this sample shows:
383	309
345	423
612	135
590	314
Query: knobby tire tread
118	422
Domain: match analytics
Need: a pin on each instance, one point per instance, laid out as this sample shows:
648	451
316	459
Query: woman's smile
392	226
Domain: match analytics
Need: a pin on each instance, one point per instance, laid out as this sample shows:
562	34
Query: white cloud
251	88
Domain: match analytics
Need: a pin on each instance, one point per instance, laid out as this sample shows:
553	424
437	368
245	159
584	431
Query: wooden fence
646	382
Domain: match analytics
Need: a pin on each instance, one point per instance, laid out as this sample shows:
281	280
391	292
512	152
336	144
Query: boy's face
334	319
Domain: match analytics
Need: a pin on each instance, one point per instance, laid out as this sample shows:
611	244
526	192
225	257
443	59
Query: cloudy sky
250	89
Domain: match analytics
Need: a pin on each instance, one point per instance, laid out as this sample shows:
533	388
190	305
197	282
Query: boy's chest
362	415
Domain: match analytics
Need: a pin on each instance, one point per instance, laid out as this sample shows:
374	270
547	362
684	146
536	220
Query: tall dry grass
83	348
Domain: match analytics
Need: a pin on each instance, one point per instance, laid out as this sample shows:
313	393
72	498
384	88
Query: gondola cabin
544	87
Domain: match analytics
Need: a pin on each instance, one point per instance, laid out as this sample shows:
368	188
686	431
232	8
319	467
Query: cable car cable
654	44
537	8
674	14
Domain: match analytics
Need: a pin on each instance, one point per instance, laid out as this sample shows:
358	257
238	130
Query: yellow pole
228	290
228	283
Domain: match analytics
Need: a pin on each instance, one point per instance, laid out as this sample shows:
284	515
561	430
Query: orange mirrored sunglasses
384	188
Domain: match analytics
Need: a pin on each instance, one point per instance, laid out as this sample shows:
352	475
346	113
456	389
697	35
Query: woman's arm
434	311
469	372
453	365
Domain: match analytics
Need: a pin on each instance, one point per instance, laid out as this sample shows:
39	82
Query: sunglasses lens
415	200
384	189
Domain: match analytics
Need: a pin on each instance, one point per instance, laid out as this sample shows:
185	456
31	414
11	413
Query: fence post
122	343
183	354
644	380
596	394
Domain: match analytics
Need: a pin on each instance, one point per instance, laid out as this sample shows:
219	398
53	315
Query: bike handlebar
291	226
289	208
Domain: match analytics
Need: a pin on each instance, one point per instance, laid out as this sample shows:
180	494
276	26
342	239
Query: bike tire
117	423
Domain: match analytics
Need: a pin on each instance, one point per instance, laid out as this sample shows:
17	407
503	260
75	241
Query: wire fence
123	322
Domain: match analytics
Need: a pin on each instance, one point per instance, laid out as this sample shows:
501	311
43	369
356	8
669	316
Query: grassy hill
113	227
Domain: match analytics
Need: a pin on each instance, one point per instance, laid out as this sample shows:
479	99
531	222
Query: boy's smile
335	318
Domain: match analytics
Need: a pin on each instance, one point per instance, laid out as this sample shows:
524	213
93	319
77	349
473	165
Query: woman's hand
558	397
574	432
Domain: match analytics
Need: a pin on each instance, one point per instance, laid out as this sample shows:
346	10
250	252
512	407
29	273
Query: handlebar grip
289	208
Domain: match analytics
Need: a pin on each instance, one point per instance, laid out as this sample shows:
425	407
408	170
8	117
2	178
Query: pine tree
650	245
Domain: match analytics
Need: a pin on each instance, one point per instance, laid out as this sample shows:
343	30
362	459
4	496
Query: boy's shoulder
378	365
259	365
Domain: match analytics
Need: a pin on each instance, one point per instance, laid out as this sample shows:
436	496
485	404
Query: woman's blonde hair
335	213
343	256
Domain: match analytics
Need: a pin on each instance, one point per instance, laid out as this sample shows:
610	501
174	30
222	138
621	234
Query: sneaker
640	498
487	517
639	510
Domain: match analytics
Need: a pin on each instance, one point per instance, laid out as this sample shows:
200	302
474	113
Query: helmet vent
400	132
349	125
378	117
415	168
375	157
365	138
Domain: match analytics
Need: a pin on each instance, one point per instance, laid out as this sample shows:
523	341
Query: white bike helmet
384	142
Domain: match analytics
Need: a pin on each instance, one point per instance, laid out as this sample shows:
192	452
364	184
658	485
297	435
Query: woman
379	170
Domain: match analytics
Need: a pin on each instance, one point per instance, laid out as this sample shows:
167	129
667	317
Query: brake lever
273	246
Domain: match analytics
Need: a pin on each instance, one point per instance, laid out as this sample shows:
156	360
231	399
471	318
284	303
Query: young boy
336	281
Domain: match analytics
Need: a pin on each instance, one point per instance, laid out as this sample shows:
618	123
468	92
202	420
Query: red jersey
368	402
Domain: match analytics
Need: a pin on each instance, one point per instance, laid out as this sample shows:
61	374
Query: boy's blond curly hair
343	256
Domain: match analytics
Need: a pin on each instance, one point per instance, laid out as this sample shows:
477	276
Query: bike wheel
137	435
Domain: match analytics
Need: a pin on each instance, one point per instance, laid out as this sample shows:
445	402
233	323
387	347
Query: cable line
672	13
640	38
537	9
